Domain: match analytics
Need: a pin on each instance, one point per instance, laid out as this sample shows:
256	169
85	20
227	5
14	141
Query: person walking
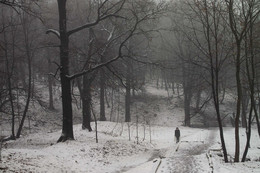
177	134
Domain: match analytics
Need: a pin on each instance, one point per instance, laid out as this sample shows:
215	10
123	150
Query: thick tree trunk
67	126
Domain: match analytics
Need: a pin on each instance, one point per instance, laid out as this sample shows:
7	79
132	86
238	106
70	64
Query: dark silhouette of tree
235	21
105	10
250	48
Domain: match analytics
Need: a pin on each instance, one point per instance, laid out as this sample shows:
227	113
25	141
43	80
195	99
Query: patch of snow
115	153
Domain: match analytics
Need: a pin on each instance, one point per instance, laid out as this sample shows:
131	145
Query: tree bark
128	94
239	94
187	102
86	103
102	94
67	126
50	84
244	108
248	136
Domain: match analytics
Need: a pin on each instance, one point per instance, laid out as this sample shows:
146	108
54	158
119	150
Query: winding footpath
180	158
185	158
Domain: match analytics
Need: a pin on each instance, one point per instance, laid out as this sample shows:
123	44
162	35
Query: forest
87	84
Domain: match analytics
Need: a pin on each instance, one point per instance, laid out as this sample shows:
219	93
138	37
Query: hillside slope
128	147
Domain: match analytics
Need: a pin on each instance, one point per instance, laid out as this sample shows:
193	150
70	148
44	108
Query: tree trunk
239	94
28	95
86	103
198	98
29	63
165	79
157	82
187	102
102	95
128	95
257	121
213	50
244	109
223	91
50	84
245	94
67	122
172	81
133	92
106	98
178	89
251	76
187	94
215	92
9	83
248	130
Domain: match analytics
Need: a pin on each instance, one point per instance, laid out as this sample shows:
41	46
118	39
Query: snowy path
186	159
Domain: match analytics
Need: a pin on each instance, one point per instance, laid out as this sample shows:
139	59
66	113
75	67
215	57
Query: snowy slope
153	149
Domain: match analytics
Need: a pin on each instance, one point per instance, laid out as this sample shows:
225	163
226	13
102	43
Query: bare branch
100	17
115	74
53	31
111	60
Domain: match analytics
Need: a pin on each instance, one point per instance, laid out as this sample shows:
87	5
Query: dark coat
177	133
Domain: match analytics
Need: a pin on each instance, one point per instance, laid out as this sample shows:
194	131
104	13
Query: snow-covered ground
153	149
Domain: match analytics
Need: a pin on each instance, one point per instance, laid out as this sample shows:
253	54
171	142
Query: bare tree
253	13
17	38
239	13
9	66
106	9
25	6
207	32
29	51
